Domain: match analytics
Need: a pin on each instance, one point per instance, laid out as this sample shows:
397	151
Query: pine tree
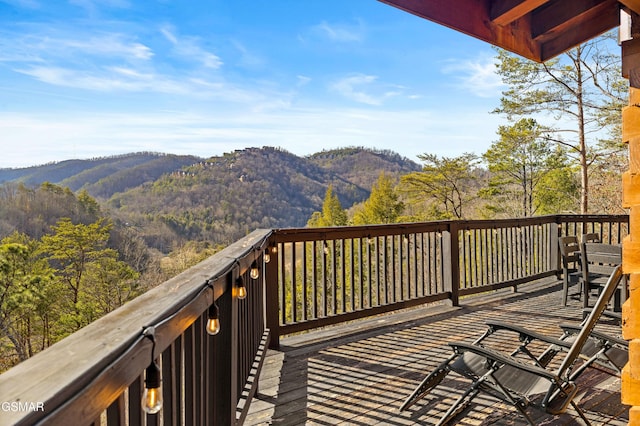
382	206
332	212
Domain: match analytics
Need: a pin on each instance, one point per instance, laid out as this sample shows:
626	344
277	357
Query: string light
152	395
254	273
213	323
272	250
241	289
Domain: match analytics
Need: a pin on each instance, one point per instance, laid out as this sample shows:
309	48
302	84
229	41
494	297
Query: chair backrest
569	248
590	322
599	257
592	237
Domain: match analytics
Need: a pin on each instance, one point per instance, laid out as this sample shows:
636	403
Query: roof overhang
535	29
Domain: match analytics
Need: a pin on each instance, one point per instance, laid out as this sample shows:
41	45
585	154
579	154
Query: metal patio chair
597	260
519	383
571	269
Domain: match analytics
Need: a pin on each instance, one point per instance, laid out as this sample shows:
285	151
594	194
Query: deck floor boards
360	373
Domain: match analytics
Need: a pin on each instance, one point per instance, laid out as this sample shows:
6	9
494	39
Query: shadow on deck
360	373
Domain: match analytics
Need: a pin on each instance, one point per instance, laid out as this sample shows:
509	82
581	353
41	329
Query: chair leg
458	406
431	381
565	288
580	413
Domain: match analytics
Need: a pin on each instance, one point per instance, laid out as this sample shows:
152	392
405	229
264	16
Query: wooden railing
307	278
96	375
331	275
612	229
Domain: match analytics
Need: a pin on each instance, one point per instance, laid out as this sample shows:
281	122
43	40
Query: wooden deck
359	373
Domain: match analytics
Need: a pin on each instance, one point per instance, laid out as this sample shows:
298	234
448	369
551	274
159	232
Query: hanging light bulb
152	395
266	256
254	273
241	289
213	323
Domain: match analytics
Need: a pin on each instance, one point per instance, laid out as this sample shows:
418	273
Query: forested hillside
223	198
363	166
101	177
168	200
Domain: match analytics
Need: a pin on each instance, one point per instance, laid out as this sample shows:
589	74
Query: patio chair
571	272
597	260
607	350
603	349
612	351
592	237
511	380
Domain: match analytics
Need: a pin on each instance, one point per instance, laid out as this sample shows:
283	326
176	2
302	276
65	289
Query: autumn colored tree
448	183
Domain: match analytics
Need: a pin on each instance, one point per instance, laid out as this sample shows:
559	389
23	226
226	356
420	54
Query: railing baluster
116	413
190	377
325	279
305	291
343	274
314	280
282	283
134	397
168	386
294	284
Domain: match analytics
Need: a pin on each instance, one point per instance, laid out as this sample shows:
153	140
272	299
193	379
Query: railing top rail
58	374
592	217
338	232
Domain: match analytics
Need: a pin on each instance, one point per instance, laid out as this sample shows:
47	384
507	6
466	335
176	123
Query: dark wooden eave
535	29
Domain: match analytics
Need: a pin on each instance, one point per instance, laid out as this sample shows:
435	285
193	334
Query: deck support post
451	261
226	361
631	201
271	298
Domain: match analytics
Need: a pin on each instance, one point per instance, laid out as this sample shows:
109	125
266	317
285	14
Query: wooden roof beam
471	17
561	16
503	12
633	5
575	35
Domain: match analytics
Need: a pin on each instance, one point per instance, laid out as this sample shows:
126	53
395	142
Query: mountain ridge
173	199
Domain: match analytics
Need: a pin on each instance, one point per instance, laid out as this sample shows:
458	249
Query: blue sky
91	78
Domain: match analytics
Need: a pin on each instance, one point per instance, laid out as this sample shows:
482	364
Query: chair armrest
526	335
607	313
502	359
575	329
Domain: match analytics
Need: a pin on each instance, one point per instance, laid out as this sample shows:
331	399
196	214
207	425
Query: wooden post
271	297
631	244
226	361
451	263
555	259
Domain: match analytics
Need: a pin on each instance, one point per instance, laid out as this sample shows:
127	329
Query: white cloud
168	33
365	89
303	80
105	80
189	48
476	76
36	139
92	6
57	46
340	32
248	58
